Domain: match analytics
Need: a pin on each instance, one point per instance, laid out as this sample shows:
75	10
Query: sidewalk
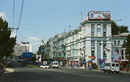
68	67
8	76
125	72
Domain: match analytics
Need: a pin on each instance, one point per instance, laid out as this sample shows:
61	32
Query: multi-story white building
97	29
22	47
91	42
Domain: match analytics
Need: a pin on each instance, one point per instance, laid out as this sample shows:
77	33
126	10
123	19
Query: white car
55	64
112	67
45	66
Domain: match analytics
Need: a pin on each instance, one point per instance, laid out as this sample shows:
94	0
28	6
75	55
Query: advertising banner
102	64
99	15
38	58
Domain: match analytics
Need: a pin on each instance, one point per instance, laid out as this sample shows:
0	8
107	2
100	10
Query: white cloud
35	46
3	15
32	38
35	42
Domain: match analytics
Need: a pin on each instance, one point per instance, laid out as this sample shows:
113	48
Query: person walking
127	68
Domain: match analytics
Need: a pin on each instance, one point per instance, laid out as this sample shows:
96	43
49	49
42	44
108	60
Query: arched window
114	42
118	42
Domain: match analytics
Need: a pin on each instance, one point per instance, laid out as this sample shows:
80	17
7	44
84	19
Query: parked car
45	66
9	62
112	67
55	64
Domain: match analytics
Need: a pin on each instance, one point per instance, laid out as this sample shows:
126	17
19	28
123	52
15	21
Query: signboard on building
99	15
27	55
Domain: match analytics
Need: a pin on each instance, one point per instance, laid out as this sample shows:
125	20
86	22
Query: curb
125	72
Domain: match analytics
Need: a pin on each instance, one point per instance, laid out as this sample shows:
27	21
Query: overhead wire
20	14
20	17
13	13
41	17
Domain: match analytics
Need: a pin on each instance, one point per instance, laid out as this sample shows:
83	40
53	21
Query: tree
118	29
6	42
114	28
128	47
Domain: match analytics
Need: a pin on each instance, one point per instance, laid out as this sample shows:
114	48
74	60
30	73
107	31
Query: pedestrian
127	68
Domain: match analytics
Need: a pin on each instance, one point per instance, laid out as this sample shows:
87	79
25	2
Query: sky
42	19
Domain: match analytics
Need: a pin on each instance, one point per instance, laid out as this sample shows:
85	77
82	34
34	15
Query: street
36	74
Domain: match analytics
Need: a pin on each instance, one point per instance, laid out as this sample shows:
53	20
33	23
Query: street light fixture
118	20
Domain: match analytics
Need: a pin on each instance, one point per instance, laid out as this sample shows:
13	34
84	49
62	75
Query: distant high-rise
22	47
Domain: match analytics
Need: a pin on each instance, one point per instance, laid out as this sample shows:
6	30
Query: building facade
118	49
22	47
91	42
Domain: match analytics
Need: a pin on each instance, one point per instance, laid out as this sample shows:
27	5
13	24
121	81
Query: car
9	62
112	67
55	64
45	66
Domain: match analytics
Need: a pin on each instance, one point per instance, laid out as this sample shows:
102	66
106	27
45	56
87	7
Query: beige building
22	47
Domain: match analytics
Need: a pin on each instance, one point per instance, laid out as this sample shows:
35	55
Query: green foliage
118	29
13	56
6	42
128	48
46	56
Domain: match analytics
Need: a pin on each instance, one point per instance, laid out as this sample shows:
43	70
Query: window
92	25
104	26
122	52
124	42
92	34
93	53
114	42
104	33
99	31
118	42
113	65
104	44
93	29
98	25
117	51
107	64
93	44
117	65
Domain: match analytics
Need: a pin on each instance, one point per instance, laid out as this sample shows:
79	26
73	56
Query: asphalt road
35	74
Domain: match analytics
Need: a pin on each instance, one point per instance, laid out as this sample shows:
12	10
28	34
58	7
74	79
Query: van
112	67
55	64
